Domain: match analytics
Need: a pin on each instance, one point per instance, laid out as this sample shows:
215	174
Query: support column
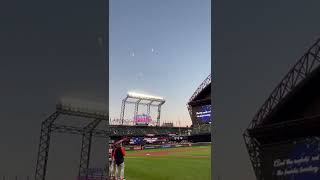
86	147
148	107
43	149
85	155
136	108
123	106
158	117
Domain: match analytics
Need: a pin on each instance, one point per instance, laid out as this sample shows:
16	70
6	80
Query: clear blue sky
159	47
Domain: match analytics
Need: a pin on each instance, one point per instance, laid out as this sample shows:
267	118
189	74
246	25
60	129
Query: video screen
142	119
298	160
202	113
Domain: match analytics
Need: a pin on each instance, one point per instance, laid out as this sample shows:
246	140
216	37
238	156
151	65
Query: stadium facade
283	138
199	106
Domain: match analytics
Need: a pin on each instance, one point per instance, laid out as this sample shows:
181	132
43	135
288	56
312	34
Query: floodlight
144	96
79	106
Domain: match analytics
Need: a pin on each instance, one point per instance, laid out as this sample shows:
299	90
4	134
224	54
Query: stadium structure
97	125
199	106
283	139
139	99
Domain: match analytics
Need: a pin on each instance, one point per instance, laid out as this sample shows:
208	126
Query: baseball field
184	163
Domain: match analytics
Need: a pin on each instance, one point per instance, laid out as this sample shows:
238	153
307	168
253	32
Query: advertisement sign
298	160
166	146
142	119
136	147
203	113
136	140
149	147
150	140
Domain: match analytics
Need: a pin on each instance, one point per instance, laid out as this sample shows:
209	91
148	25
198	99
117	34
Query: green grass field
185	163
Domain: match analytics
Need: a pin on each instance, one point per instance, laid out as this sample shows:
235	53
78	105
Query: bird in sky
154	51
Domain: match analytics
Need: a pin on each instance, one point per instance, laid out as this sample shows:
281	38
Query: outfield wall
201	144
165	146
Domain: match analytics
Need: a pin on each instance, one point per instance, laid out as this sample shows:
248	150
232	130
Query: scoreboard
202	114
142	119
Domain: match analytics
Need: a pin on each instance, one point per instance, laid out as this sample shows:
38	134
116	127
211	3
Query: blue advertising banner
166	146
298	160
203	113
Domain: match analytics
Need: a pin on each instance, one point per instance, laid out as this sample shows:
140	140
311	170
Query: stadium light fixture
82	107
144	96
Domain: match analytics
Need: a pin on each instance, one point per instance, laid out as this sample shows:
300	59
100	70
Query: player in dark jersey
119	155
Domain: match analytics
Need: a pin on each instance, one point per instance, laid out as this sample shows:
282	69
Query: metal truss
300	71
253	148
146	101
303	69
86	147
80	112
49	126
43	149
136	107
158	117
203	85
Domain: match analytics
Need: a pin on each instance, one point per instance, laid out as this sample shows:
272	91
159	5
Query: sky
160	48
255	43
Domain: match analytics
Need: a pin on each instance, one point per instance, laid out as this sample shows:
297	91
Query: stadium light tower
83	107
148	100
